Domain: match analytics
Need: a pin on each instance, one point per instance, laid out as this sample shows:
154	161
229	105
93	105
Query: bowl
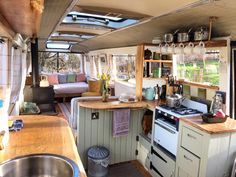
210	118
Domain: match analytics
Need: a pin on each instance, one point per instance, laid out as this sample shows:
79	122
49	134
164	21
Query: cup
179	49
171	48
158	49
164	49
189	48
199	49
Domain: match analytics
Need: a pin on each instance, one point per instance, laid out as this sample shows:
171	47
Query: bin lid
98	152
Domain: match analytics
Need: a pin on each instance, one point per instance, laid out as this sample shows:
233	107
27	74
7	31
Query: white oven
166	135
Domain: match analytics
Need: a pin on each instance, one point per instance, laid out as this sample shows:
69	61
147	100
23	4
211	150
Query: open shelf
200	85
212	43
158	61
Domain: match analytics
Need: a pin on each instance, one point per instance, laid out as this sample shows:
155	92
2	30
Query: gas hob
188	108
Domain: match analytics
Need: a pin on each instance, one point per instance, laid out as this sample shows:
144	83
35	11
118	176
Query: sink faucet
2	134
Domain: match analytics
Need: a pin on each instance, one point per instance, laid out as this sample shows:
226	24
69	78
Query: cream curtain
16	74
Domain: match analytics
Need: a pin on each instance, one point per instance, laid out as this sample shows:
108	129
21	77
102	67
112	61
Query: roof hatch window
53	45
98	20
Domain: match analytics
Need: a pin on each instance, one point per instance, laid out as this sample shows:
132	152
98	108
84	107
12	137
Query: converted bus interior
117	88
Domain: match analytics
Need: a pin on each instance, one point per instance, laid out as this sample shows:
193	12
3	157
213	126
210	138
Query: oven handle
169	130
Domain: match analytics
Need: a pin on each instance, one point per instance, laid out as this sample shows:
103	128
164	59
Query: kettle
44	81
149	93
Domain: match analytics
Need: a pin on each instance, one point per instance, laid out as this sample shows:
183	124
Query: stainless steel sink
39	165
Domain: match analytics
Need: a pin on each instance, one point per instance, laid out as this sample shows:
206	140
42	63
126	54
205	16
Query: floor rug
65	109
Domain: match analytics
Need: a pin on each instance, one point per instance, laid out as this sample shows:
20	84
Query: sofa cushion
62	78
95	86
71	78
53	79
81	77
91	94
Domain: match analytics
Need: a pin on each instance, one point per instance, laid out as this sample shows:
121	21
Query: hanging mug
171	48
189	48
199	49
44	81
164	49
158	50
179	49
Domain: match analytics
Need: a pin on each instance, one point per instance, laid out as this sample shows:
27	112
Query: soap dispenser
4	131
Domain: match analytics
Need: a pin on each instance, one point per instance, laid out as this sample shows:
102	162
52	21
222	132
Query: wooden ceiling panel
21	16
191	17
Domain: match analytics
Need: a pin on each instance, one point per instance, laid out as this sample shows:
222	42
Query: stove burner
182	110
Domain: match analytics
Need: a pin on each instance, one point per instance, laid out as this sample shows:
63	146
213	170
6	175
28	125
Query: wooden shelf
158	61
212	43
200	85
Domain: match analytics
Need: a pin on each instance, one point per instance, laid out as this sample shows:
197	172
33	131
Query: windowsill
199	85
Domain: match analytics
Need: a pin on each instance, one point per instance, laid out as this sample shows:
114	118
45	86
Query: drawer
192	141
189	162
164	164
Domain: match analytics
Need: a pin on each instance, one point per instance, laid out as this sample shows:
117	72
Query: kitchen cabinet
204	154
161	164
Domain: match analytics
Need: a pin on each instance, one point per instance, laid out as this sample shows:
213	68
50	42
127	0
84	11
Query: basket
209	118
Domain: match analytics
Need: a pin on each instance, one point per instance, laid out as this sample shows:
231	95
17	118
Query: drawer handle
191	136
187	158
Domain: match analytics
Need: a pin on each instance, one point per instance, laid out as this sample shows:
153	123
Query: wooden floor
128	169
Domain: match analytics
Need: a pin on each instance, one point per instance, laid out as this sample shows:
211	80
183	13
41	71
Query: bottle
157	93
4	131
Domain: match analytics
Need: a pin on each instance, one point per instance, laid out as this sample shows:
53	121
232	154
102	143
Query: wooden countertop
42	134
228	126
115	104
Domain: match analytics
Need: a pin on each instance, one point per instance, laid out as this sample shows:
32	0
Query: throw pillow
53	79
81	78
62	78
71	78
95	86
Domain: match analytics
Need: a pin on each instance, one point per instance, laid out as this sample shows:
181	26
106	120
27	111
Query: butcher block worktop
42	134
115	104
212	128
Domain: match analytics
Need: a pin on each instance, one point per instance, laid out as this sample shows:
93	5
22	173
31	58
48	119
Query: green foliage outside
198	71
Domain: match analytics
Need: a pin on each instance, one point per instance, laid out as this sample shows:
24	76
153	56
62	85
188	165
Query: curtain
93	69
4	67
16	74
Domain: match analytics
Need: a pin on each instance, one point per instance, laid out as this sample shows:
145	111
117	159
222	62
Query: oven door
166	136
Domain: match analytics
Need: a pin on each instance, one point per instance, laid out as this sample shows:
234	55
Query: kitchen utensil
199	49
184	36
147	54
174	100
189	48
170	37
201	34
156	40
149	93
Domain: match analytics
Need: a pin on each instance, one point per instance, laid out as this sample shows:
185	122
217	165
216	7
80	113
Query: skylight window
111	22
95	16
52	45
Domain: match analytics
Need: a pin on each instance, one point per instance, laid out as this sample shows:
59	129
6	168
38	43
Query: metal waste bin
98	160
